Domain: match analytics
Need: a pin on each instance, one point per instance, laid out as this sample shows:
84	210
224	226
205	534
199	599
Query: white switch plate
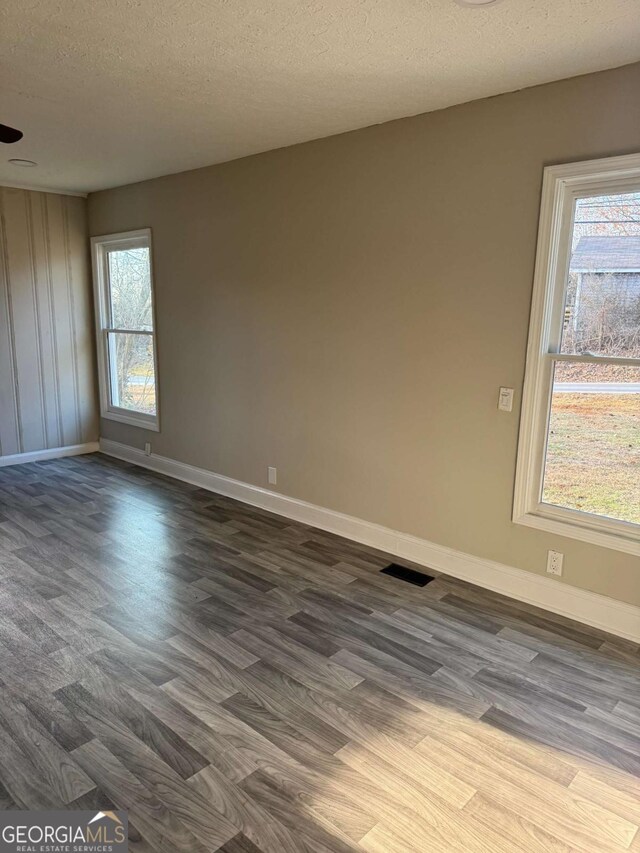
273	475
147	448
554	563
505	399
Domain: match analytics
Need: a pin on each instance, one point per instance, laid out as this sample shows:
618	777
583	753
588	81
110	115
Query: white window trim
99	247
562	185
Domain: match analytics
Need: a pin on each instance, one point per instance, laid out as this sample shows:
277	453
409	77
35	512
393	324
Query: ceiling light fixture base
477	4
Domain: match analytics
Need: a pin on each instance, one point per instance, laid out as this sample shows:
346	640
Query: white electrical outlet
147	448
505	399
554	562
273	475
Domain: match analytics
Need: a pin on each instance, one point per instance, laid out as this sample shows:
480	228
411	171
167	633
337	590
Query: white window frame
99	249
562	185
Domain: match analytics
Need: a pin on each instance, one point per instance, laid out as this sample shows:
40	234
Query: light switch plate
505	399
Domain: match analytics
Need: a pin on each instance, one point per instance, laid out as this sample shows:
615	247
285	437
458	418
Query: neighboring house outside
603	301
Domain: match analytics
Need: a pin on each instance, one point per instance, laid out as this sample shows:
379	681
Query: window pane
133	380
130	286
602	307
593	450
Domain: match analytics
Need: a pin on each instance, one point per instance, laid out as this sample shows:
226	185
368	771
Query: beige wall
346	310
47	373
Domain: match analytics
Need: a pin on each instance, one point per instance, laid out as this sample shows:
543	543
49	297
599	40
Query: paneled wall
47	374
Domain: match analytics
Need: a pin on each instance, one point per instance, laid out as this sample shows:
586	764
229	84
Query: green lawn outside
593	456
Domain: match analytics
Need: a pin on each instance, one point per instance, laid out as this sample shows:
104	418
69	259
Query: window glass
123	289
130	289
602	302
133	380
593	445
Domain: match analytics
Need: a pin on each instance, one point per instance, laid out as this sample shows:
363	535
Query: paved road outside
597	387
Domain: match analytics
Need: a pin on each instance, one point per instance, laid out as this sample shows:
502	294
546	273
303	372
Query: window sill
136	419
618	536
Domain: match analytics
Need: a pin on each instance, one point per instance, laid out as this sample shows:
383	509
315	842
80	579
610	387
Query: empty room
320	426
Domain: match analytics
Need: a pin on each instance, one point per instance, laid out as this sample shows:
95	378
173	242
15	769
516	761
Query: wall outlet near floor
147	448
273	475
554	562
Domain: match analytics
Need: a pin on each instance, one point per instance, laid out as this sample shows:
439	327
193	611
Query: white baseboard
50	453
599	611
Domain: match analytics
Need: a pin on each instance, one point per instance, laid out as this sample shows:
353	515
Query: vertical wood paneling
82	307
46	329
47	376
62	319
20	277
54	332
9	426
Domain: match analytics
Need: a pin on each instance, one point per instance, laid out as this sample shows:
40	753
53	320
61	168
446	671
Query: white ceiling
116	91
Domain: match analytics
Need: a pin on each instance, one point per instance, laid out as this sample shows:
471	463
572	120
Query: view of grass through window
593	448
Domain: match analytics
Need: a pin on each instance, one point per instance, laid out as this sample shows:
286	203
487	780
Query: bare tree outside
609	215
132	310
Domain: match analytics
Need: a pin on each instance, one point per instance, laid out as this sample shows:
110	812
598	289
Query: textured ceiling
117	91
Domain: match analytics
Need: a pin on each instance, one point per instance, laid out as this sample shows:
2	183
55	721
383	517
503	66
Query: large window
579	453
125	326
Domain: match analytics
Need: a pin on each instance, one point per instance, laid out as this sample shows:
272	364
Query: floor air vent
408	575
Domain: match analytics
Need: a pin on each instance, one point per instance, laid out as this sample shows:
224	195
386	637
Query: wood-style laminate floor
239	682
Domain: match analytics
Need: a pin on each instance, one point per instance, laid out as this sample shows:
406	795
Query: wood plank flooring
242	683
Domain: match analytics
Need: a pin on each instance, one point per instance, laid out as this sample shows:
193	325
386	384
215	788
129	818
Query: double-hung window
579	453
123	289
